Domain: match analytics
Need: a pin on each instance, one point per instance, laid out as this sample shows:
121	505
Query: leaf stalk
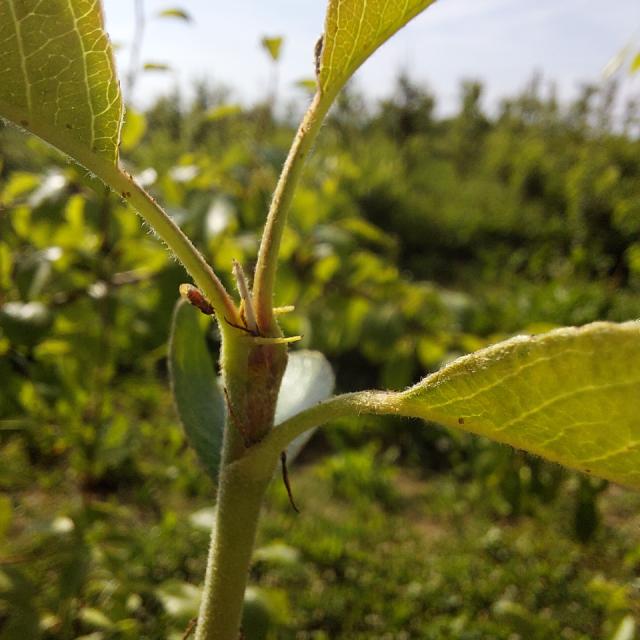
267	264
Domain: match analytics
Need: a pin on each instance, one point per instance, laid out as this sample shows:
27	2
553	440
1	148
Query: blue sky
501	42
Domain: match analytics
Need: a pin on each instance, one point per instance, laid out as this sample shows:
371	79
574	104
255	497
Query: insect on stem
196	298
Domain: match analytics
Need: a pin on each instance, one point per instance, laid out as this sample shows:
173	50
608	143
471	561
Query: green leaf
308	380
156	66
195	388
272	46
57	76
307	84
180	600
635	63
222	111
571	396
626	629
354	29
181	14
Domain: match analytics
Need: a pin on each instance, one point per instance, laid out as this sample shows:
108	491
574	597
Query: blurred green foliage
414	239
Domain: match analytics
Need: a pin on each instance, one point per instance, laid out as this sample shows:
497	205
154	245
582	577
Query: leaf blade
57	77
308	380
178	13
195	388
273	46
571	396
354	29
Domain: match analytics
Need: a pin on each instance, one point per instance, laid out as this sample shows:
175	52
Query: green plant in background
570	395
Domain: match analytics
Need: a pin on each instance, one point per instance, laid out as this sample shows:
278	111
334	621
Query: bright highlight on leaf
57	76
307	381
354	29
571	396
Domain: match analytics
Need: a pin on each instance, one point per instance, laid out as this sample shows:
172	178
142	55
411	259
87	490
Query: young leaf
195	388
307	380
272	46
57	76
181	14
156	66
354	29
571	396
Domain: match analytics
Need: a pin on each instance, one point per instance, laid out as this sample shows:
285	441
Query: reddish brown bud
196	298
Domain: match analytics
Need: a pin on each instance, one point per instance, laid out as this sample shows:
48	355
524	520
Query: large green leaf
571	396
308	380
195	387
57	76
354	29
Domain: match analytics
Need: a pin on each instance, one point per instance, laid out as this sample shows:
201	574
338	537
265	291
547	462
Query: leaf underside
308	380
57	76
195	387
571	396
354	29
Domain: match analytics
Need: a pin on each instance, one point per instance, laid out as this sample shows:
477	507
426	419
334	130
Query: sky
499	42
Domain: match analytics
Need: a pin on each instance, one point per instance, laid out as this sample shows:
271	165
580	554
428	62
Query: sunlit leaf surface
57	75
354	29
571	395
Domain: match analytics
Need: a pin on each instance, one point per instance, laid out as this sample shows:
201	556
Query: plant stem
176	240
267	264
266	453
123	184
240	496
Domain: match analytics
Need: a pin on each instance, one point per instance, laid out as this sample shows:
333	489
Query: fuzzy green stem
267	264
266	453
177	241
240	496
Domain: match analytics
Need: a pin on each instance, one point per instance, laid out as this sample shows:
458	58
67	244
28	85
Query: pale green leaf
156	66
272	46
181	14
308	380
195	388
354	29
307	84
57	76
222	111
180	600
626	629
571	396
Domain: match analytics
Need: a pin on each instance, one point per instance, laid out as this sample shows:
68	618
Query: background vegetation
413	239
